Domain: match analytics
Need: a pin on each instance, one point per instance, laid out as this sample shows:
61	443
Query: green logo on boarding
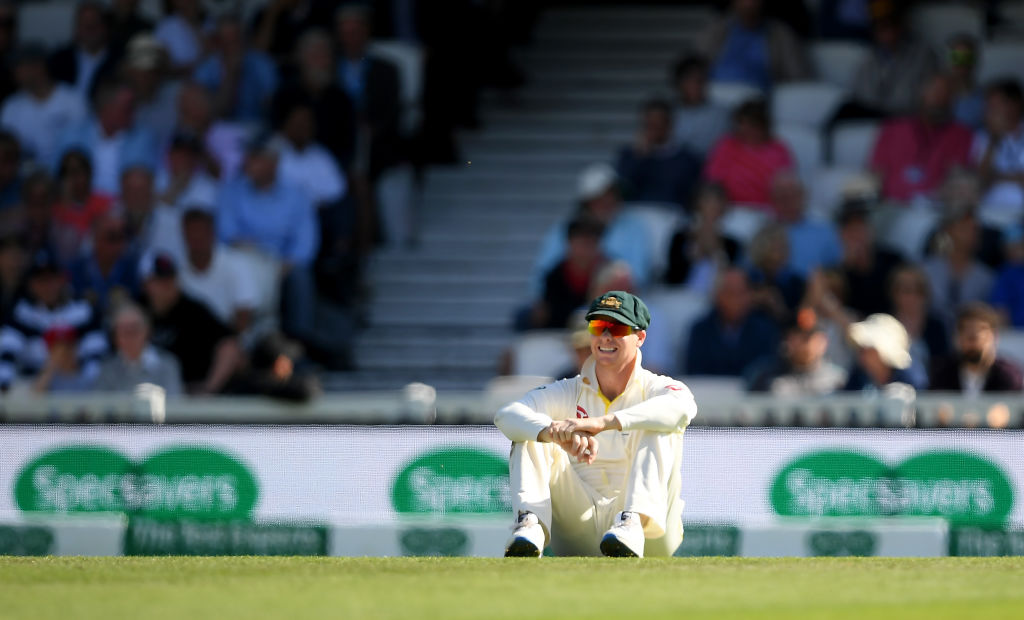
453	480
187	481
959	486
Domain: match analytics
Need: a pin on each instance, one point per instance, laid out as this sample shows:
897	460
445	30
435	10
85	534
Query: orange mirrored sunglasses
617	330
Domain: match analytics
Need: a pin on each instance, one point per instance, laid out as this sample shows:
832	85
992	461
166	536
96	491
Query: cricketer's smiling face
615	352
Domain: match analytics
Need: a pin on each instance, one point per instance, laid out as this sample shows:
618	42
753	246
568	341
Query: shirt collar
589	373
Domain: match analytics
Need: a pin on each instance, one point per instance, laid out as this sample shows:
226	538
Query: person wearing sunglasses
596	461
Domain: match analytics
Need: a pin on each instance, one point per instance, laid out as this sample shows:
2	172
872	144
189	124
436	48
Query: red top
746	170
80	218
913	158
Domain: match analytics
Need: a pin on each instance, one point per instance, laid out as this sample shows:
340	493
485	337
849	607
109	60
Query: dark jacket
64	66
1003	376
382	109
712	350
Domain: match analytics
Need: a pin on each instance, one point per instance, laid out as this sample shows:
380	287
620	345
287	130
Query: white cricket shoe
625	539
527	540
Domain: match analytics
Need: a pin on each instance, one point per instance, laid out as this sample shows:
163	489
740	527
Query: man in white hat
626	236
883	353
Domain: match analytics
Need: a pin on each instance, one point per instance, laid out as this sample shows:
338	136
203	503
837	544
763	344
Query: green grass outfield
593	588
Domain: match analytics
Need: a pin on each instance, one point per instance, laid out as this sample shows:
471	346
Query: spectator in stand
113	137
732	335
913	155
10	172
799	368
33	219
181	32
882	348
844	19
813	242
382	182
1008	290
42	109
207	351
699	123
746	160
147	222
156	97
8	39
90	57
278	26
13	261
135	359
968	97
314	81
699	250
219	276
567	285
304	161
890	80
998	150
125	22
62	372
625	236
656	168
909	295
955	275
79	205
864	266
241	79
186	170
747	48
976	367
106	276
776	289
47	304
223	141
278	221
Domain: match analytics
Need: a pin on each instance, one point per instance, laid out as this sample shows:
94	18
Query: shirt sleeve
304	241
669	408
525	418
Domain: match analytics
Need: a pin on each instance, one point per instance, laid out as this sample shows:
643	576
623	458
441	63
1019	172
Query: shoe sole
615	548
522	548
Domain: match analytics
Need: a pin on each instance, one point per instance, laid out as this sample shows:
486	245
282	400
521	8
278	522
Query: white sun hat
883	333
595	180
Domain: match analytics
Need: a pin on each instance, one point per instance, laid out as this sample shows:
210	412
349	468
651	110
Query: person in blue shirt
257	210
732	336
813	242
108	275
626	236
242	80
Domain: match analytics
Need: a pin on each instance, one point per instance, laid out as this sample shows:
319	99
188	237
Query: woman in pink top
745	160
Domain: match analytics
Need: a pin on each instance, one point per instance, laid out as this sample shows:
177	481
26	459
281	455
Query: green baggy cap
624	307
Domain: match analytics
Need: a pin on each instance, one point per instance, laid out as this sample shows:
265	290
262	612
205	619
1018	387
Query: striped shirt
23	349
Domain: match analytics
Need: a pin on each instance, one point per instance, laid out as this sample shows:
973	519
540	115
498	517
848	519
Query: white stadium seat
731	94
836	62
805	145
677	310
936	23
541	352
852	143
906	230
48	23
805	103
825	189
1011	344
1000	60
662	221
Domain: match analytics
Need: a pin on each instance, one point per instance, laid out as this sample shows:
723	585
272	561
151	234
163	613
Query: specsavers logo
187	481
962	487
453	480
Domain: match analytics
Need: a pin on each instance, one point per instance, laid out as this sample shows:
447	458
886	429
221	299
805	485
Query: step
535	58
469	180
627	19
396	291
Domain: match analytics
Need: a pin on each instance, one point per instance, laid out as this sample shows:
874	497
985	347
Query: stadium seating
825	189
48	23
805	103
852	143
936	23
836	62
731	94
1011	344
1000	60
541	352
906	230
805	144
662	221
677	309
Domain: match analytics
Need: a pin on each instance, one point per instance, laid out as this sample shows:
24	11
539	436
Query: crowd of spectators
187	201
810	300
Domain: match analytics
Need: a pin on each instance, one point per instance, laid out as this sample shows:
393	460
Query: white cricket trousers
575	516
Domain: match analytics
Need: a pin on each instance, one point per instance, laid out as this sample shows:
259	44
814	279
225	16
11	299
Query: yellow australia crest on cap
611	302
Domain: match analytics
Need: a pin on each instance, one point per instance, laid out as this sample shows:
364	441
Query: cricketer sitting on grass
600	453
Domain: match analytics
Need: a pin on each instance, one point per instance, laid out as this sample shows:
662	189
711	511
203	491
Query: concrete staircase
441	312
